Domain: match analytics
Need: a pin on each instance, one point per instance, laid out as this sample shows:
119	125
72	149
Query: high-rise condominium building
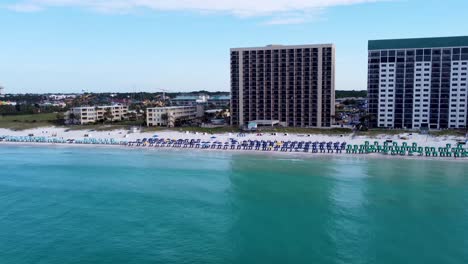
294	85
414	83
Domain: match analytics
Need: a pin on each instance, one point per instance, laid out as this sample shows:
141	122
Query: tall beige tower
294	85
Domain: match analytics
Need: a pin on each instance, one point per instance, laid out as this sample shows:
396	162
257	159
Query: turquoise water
84	205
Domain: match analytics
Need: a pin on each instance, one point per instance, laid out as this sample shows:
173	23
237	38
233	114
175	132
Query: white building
167	116
418	83
91	114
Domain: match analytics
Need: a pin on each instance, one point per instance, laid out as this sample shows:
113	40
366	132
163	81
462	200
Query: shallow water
85	205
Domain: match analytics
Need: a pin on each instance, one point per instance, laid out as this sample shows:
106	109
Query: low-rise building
91	114
168	116
219	100
189	100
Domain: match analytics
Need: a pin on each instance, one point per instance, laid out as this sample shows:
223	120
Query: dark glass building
294	85
414	83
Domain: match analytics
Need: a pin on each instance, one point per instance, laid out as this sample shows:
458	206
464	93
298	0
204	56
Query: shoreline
124	136
292	155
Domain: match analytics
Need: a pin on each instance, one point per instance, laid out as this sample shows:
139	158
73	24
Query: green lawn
22	122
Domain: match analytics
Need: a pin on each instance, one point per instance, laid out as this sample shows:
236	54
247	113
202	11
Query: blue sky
145	45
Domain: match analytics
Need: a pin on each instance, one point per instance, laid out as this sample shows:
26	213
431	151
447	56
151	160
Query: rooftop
418	43
275	47
170	107
186	97
220	97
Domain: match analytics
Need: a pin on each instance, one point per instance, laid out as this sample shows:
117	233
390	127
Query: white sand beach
125	135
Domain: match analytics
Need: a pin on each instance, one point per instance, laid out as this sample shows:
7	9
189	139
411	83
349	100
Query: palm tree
60	118
108	115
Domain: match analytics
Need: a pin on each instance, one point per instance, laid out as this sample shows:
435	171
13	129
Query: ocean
112	205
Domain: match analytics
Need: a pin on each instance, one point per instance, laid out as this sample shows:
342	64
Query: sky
183	45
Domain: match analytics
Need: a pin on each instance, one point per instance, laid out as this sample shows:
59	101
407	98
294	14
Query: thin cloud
277	10
24	7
